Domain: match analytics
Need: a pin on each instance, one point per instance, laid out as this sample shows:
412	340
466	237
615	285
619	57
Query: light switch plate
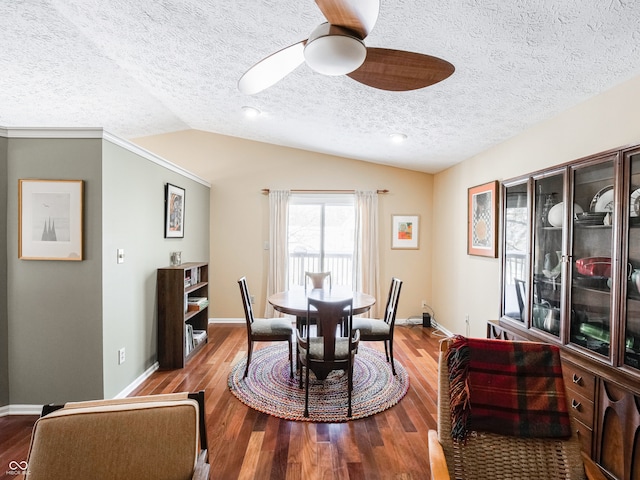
120	255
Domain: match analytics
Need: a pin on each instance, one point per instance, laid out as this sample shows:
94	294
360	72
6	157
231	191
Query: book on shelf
199	336
195	304
188	339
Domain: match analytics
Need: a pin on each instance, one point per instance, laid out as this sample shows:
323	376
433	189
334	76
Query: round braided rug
269	389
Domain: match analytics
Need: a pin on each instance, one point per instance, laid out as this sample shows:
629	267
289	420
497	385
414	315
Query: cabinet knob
576	379
575	404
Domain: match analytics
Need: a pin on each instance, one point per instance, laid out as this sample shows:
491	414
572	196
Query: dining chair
325	352
381	330
317	279
264	329
485	429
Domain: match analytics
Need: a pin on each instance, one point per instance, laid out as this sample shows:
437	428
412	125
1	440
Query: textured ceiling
143	67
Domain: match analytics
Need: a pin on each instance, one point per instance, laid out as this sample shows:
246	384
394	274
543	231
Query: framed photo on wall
173	212
482	220
50	219
404	231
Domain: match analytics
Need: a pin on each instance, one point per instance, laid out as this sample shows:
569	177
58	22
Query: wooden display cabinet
183	313
571	277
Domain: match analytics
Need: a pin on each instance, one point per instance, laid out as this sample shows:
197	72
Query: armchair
489	455
159	437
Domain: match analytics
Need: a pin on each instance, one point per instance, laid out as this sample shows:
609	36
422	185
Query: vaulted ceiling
147	67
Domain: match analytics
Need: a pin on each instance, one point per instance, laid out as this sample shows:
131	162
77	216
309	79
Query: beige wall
239	169
470	285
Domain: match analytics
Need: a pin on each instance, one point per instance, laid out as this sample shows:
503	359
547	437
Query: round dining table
294	301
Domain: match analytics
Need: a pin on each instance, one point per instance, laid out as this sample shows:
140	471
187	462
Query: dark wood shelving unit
176	286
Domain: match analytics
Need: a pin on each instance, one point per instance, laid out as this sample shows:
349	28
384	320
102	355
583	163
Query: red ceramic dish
594	266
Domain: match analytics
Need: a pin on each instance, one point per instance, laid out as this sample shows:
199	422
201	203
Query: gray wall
4	327
62	322
133	219
55	307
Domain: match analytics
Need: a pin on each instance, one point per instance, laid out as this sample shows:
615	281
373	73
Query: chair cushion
316	348
370	326
271	326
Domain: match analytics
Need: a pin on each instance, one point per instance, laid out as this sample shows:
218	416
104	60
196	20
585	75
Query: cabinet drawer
579	380
580	408
585	435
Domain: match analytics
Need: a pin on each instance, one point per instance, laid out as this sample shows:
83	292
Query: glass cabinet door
632	320
547	253
515	248
591	254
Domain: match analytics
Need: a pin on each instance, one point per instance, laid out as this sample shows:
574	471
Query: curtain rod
266	191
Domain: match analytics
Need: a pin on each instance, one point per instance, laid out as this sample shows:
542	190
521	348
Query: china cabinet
571	277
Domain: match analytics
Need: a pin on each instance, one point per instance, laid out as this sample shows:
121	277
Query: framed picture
404	231
482	220
173	212
50	219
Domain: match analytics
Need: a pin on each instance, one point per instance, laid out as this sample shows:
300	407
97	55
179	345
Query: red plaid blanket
505	387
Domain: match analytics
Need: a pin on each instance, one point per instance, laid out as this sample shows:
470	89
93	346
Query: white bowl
556	214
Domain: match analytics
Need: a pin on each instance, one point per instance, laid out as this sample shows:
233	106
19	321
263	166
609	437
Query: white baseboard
20	410
227	320
138	381
37	409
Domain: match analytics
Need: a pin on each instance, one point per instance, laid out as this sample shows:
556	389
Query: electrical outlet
253	299
121	356
424	304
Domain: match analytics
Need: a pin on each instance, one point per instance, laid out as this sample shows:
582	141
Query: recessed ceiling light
397	137
250	112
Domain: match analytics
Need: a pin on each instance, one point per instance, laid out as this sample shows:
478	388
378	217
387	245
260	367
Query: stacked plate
590	218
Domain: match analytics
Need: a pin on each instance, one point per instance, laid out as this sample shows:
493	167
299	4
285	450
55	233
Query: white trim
138	381
20	410
441	328
37	409
97	133
152	157
32	132
227	320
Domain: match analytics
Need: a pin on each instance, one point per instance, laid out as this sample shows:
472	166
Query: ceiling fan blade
399	70
357	15
272	69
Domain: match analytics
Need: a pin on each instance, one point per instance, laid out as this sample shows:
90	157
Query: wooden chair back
317	279
246	302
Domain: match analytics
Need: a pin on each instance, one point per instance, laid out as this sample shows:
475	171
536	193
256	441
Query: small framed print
404	231
173	212
50	219
482	220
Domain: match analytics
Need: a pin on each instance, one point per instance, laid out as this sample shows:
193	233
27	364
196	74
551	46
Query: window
321	234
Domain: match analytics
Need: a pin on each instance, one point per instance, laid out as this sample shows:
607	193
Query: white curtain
278	246
366	268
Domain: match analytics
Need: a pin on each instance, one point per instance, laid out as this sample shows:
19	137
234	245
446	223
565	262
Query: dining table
294	301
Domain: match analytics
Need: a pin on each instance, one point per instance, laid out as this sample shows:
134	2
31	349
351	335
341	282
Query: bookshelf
183	312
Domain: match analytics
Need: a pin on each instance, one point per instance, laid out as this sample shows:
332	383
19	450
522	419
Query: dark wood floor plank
246	444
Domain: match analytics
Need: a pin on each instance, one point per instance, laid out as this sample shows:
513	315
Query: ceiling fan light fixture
333	50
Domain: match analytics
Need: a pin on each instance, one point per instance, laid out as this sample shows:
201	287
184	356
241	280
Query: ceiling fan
337	48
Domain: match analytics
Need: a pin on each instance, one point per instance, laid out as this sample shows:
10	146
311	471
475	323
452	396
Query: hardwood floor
246	444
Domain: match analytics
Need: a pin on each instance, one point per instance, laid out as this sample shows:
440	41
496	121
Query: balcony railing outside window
339	264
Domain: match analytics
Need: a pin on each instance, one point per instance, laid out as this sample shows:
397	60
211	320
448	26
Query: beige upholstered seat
153	437
381	330
264	329
487	455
